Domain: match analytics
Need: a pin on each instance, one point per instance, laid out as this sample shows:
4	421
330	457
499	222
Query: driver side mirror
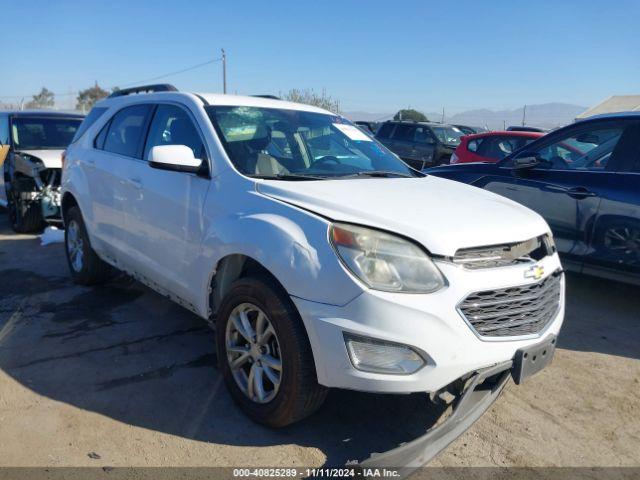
178	158
525	163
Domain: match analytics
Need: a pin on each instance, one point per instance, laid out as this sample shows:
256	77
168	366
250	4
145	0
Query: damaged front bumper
45	188
479	392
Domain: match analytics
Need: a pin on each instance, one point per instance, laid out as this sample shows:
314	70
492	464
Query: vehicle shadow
129	354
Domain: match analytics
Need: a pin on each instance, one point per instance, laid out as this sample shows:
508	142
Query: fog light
378	356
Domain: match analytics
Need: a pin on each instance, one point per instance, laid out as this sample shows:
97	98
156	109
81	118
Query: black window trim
206	171
145	127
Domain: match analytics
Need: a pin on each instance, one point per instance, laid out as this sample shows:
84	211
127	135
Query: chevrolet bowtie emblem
535	272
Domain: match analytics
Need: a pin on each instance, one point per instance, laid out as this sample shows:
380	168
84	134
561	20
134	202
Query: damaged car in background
32	144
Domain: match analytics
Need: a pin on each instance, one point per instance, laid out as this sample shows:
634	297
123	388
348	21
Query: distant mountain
547	115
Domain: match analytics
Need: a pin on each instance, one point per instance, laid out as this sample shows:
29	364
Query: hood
442	215
50	158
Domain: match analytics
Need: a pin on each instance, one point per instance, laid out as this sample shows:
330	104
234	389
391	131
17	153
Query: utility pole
442	115
524	115
224	71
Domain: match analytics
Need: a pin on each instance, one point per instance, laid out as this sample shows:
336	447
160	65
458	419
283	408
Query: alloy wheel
623	240
253	353
75	246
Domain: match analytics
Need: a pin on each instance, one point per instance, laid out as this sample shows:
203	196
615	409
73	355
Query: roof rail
160	87
272	97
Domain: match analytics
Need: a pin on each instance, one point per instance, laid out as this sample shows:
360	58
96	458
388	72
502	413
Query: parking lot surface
119	376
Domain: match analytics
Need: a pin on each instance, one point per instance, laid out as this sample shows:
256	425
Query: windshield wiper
290	176
377	173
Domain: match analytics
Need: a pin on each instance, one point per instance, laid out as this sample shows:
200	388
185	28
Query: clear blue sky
374	56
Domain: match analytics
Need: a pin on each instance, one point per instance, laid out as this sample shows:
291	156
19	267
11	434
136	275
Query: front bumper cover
482	389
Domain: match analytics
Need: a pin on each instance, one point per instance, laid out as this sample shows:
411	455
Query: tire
298	394
84	264
30	220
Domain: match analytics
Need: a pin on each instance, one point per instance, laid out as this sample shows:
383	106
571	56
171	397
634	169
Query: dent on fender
302	256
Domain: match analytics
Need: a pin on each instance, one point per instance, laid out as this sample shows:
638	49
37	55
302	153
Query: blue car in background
584	179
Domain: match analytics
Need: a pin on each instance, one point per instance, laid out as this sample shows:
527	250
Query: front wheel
264	354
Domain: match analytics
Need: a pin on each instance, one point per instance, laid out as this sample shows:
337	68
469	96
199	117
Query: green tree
87	98
410	114
309	97
44	99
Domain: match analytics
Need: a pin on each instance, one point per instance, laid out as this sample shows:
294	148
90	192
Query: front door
163	213
562	187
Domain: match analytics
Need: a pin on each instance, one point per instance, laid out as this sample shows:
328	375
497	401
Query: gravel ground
122	375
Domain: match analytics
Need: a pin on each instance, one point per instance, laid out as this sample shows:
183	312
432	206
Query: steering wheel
325	159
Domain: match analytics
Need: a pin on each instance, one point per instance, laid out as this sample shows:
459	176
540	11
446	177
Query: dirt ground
123	373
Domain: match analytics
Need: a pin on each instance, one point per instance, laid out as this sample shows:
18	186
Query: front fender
289	242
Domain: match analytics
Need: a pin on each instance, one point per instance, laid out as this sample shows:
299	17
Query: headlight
384	261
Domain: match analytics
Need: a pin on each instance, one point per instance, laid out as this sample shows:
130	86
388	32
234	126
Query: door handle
580	192
574	192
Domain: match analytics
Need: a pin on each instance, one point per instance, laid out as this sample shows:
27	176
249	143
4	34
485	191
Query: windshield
278	143
43	133
448	135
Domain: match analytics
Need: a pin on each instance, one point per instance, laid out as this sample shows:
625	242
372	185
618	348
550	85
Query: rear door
403	143
615	246
163	209
106	167
423	147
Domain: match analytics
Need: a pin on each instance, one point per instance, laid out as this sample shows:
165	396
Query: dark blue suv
584	179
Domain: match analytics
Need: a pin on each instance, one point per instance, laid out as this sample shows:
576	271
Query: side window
172	125
474	145
126	131
404	133
587	148
89	120
101	137
423	135
385	130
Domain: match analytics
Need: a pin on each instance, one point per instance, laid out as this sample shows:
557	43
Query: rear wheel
264	354
84	264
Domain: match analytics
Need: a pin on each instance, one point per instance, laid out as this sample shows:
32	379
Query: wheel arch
68	201
231	268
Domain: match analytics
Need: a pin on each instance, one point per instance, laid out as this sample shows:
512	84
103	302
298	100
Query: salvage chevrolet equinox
294	235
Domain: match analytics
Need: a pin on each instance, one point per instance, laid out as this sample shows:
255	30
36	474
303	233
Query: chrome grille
513	311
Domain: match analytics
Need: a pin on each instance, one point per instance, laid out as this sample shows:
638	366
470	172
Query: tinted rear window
126	131
385	130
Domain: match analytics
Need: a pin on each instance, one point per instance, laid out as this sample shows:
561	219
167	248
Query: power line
193	67
159	77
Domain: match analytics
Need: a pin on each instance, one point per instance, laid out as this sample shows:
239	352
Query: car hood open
442	215
50	158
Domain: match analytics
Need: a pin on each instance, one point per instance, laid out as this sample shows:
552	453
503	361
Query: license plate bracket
530	360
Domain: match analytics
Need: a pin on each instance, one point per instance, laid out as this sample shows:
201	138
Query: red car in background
491	146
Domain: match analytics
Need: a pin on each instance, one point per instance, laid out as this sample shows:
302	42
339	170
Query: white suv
321	259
